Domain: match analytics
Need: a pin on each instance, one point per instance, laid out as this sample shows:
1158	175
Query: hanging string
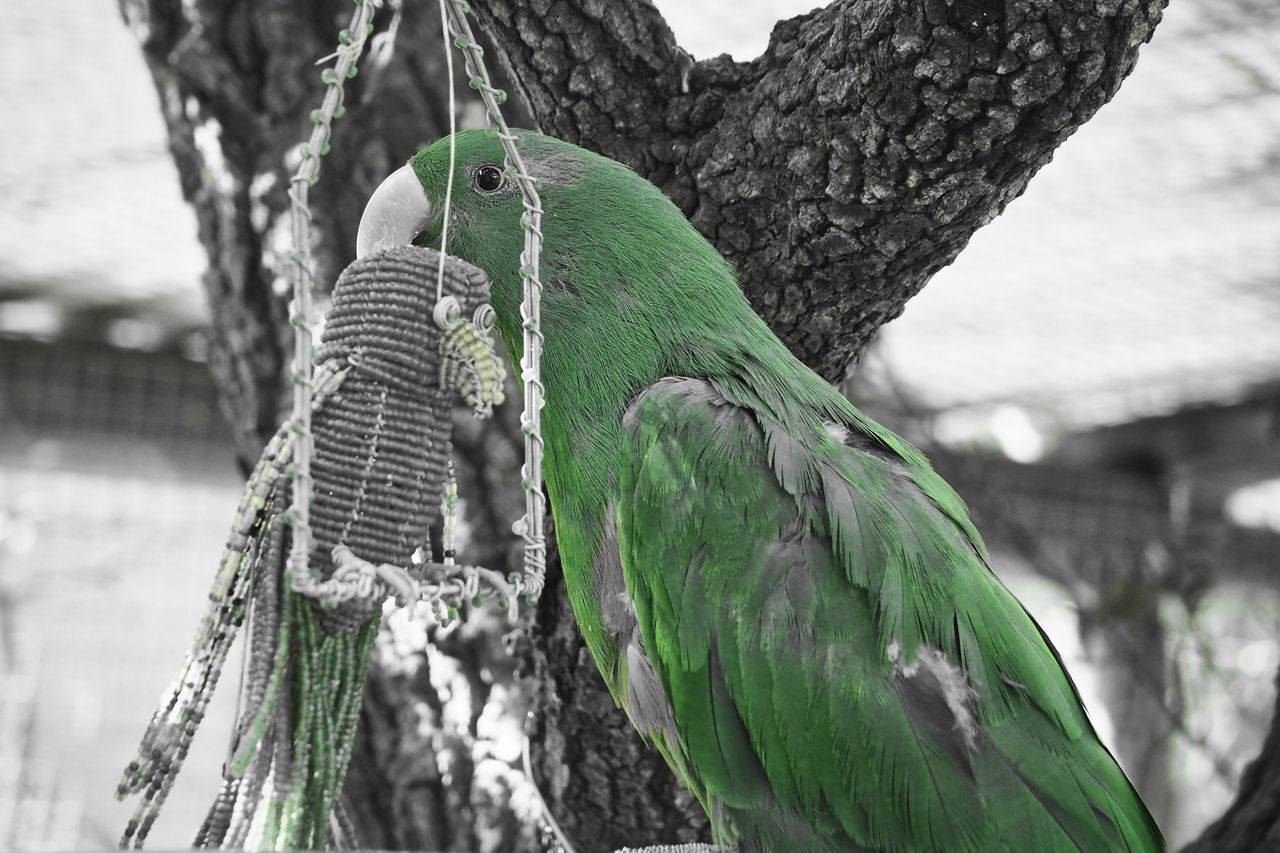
351	45
530	527
453	151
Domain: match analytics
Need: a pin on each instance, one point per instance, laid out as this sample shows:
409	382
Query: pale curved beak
397	212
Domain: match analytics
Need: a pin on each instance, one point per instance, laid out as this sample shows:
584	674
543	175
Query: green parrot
782	595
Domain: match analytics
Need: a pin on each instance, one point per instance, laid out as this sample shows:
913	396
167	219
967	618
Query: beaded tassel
381	425
448	514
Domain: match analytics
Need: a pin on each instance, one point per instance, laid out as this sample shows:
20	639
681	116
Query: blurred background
1098	375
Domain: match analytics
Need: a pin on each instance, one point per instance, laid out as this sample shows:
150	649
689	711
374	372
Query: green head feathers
618	258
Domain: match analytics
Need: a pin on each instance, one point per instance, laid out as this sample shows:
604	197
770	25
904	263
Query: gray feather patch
694	391
646	700
608	583
790	460
552	166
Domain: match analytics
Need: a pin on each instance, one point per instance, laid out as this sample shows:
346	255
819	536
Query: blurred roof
1140	273
91	215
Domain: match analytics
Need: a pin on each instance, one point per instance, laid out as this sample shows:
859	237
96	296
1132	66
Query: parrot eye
489	179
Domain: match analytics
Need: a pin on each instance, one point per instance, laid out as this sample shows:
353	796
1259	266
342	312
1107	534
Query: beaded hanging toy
338	505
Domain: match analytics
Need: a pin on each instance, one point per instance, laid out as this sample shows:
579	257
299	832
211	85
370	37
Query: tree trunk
1252	823
237	81
1125	641
854	158
838	172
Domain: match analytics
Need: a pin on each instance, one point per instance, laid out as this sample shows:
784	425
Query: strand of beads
530	527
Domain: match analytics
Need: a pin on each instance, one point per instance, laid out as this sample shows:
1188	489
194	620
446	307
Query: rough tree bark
854	158
236	84
838	172
1252	823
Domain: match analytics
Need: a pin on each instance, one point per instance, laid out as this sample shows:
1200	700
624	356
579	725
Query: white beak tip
397	212
369	243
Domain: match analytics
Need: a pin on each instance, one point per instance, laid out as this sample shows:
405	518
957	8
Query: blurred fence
116	489
90	390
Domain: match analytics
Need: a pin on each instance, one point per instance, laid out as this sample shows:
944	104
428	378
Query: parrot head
619	260
482	203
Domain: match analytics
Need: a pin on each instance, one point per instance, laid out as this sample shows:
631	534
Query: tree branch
237	81
1250	824
852	160
838	171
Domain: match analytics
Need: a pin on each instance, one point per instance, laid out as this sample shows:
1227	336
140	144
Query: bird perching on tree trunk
784	597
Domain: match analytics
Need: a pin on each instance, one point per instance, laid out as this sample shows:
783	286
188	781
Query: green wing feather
844	670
